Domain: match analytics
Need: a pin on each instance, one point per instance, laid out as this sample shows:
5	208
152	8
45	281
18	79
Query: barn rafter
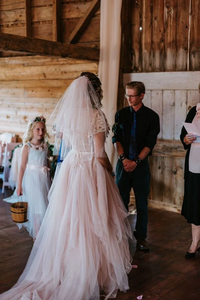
84	21
15	44
11	42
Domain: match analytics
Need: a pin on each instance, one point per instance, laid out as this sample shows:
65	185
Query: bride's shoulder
101	123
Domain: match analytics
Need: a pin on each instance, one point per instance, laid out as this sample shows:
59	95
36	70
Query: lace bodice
83	141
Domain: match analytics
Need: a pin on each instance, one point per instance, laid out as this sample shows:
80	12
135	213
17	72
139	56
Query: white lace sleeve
101	123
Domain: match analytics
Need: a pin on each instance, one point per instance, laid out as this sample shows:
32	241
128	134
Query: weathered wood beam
57	21
125	54
42	47
126	36
28	32
82	24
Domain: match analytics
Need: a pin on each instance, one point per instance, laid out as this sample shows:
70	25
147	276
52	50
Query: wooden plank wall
171	95
165	35
31	86
12	20
165	54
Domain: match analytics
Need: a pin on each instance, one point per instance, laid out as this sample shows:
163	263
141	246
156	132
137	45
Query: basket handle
21	198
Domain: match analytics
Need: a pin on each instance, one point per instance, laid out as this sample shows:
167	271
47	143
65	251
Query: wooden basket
19	212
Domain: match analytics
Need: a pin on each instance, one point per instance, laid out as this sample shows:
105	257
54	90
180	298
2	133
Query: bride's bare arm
105	163
100	153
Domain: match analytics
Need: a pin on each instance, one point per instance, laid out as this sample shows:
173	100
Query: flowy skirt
82	248
37	198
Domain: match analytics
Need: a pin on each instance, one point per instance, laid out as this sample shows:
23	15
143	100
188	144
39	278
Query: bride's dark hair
96	83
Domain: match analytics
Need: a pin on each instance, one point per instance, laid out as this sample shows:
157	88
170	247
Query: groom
135	133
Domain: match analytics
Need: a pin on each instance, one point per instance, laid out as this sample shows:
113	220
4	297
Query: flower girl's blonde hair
28	135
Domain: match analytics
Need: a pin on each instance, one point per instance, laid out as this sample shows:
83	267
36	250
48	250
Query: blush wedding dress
82	249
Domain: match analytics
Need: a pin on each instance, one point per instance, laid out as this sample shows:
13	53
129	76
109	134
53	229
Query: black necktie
133	142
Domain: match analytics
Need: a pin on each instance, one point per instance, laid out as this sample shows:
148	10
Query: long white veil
75	115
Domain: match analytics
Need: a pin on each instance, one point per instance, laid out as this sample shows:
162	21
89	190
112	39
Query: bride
82	250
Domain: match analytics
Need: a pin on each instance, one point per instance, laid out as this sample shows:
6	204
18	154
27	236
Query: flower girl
33	178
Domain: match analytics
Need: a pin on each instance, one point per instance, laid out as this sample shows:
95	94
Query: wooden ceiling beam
10	42
28	32
57	21
82	24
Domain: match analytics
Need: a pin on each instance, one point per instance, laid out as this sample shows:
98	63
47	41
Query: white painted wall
171	95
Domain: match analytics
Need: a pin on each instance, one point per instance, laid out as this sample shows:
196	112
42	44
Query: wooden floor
163	273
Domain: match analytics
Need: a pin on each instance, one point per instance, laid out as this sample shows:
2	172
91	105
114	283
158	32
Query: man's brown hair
138	85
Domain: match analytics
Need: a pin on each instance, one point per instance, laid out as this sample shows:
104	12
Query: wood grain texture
49	20
194	36
157	50
12	16
136	17
57	21
43	47
125	56
40	61
169	35
168	115
11	4
32	86
180	112
90	36
157	106
17	30
72	10
182	34
146	31
42	14
168	41
170	17
83	22
28	18
41	3
44	72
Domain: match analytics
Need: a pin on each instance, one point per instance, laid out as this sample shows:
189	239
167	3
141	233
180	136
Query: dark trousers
139	180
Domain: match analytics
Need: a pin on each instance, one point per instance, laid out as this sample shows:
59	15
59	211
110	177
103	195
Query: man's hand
129	165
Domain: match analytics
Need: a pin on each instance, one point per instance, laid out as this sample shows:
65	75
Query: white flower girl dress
35	185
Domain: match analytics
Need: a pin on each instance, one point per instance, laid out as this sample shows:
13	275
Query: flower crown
38	119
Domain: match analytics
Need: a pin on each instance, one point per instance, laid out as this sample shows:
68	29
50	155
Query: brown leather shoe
142	245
